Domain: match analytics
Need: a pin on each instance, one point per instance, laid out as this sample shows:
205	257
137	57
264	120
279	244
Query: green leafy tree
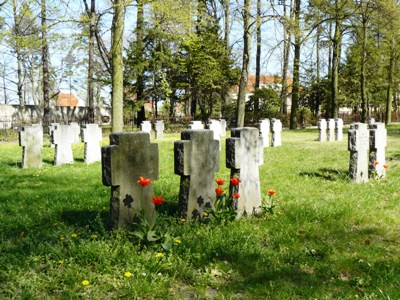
209	69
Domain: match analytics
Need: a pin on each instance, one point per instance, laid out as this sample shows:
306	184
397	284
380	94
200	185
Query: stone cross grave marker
76	132
31	141
215	127
129	156
159	129
196	125
371	121
146	126
63	136
223	127
331	130
358	144
92	136
264	130
276	128
51	128
244	154
339	129
196	161
377	145
322	126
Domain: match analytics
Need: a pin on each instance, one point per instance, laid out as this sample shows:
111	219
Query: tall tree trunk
296	67
389	89
117	66
337	46
226	5
258	56
286	53
364	107
141	115
318	71
227	23
45	67
241	101
92	32
17	34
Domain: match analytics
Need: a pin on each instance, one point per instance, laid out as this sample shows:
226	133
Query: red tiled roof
264	80
67	100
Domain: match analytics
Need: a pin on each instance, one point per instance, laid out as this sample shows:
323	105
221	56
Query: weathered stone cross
31	140
358	143
244	154
63	136
92	136
129	156
377	145
196	161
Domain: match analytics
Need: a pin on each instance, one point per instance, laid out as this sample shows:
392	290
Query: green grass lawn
328	239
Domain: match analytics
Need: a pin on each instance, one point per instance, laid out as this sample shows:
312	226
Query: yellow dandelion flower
178	241
205	214
127	274
159	254
62	238
85	282
74	235
182	220
93	236
61	261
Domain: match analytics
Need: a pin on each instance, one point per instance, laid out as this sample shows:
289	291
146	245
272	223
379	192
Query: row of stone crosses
62	137
218	127
361	140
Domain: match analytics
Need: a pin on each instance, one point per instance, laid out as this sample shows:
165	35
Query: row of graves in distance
361	140
196	159
62	137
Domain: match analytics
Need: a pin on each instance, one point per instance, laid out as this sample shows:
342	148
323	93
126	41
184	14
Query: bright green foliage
209	69
269	103
180	64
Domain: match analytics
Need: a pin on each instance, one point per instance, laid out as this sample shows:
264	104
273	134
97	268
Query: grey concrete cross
63	136
244	154
358	143
196	161
377	146
92	136
31	140
129	156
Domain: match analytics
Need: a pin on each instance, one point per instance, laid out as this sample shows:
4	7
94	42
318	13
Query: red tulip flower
144	181
235	181
219	191
271	192
236	196
157	200
220	181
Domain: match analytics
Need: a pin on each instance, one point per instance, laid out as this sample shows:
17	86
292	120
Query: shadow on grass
86	218
15	164
395	156
328	174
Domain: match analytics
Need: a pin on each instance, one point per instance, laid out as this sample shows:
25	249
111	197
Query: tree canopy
189	57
